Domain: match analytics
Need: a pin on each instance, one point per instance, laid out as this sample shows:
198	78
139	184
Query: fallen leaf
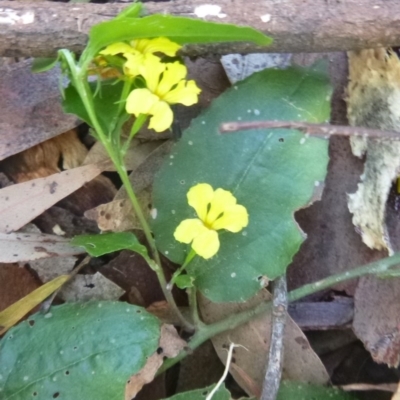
170	345
30	108
239	67
377	318
16	282
396	396
49	268
90	287
62	152
21	203
33	246
248	367
136	154
372	96
11	315
118	215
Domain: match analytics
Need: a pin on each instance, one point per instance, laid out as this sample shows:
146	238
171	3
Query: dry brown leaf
21	203
19	247
377	318
45	158
118	215
170	345
30	108
396	395
136	154
90	287
49	268
300	361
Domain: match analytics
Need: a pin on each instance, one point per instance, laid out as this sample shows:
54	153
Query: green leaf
98	245
302	391
105	103
178	29
272	173
132	11
201	394
184	281
77	351
43	64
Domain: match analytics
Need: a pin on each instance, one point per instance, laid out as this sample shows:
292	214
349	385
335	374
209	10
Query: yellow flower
143	46
136	50
216	209
165	85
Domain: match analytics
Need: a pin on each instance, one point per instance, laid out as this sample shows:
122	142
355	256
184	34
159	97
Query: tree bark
40	29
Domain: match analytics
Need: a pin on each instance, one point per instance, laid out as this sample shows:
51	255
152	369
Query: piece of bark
40	29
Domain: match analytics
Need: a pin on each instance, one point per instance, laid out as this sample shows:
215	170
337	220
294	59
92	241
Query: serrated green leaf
272	173
178	29
106	103
77	351
98	245
201	394
302	391
43	64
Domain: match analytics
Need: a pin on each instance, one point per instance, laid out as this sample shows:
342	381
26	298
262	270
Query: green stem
192	296
208	331
139	122
83	89
188	259
151	242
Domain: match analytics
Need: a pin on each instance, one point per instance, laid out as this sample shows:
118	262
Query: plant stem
83	89
192	296
208	331
188	259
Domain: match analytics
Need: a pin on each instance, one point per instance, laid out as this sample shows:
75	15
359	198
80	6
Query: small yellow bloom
166	85
135	52
216	209
143	46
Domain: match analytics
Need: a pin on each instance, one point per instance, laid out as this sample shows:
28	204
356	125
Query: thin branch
319	130
273	373
233	321
39	29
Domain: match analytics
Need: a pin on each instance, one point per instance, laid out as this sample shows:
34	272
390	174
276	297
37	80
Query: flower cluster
216	209
165	82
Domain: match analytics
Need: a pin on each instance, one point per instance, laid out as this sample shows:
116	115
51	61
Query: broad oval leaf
178	29
272	173
200	394
77	351
290	390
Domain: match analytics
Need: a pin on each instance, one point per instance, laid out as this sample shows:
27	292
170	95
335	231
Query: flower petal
131	66
140	101
206	244
188	229
118	48
199	197
186	93
162	116
222	200
151	69
162	45
173	73
234	219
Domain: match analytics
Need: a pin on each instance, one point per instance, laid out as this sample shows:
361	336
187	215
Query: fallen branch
40	29
319	130
275	355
